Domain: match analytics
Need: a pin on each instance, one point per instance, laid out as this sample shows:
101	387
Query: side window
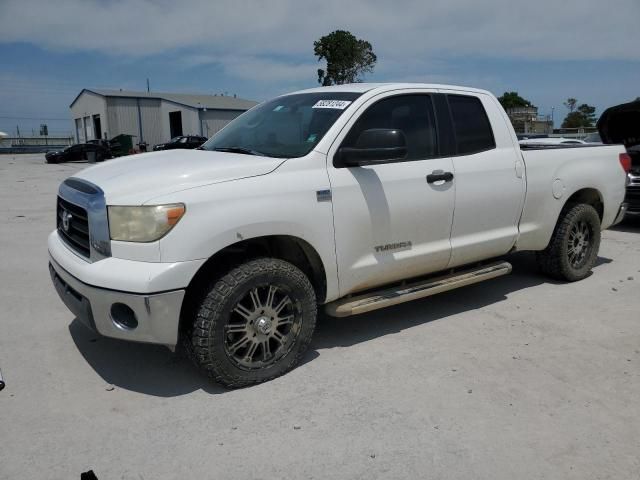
471	125
413	114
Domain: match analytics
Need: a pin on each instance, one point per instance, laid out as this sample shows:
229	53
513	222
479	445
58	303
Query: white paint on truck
369	225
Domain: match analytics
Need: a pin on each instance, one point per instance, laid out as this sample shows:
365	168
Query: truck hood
621	124
137	179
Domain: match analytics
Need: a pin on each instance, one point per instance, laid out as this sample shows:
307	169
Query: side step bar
420	289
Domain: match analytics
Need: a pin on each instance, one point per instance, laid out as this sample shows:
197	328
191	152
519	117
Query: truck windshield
288	126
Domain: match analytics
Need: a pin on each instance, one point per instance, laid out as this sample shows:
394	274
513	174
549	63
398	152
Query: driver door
390	222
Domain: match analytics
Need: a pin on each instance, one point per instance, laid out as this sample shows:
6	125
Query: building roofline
81	92
163	96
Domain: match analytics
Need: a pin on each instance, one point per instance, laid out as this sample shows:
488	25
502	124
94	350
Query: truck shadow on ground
150	369
154	370
343	332
628	225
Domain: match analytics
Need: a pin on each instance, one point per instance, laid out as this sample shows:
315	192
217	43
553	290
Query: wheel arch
588	196
289	248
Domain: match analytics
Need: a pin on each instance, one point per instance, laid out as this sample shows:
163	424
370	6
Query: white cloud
573	29
250	67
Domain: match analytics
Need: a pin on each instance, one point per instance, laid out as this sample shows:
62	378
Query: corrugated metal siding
79	131
190	119
85	107
88	128
122	114
214	120
151	126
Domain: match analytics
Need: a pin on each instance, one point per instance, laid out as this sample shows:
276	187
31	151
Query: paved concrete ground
516	378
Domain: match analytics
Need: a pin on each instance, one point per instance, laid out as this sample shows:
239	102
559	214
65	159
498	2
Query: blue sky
49	51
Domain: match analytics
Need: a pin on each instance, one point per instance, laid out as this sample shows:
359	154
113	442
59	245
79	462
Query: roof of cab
385	87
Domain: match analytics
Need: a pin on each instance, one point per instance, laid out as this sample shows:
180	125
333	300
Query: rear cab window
471	126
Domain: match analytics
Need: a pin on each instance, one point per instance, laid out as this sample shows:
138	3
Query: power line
35	118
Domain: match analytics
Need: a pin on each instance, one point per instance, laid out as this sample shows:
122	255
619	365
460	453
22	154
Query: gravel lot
515	378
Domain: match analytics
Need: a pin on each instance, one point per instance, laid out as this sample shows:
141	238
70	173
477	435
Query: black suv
183	141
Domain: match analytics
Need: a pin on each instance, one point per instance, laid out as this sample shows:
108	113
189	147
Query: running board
420	289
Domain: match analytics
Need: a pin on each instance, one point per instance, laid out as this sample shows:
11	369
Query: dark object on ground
2	384
88	475
184	141
121	145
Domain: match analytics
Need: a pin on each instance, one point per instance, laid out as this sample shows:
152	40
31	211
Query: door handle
438	176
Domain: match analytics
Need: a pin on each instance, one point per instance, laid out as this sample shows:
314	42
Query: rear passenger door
489	178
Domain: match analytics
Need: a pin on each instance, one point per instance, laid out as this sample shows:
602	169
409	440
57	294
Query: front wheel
574	245
254	323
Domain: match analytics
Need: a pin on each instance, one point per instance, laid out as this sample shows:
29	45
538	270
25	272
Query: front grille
76	235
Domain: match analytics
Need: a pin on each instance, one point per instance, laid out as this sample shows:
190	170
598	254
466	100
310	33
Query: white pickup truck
353	198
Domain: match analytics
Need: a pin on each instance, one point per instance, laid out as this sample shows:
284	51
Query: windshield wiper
245	151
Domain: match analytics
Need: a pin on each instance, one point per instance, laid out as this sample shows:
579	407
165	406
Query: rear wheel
254	323
573	249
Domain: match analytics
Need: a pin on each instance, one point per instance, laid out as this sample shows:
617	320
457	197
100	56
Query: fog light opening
123	316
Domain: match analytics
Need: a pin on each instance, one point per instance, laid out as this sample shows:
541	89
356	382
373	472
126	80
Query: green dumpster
121	144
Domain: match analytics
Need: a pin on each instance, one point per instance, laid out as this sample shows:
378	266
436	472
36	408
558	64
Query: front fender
281	203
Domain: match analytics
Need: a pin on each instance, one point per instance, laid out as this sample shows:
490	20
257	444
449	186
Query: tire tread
198	343
552	260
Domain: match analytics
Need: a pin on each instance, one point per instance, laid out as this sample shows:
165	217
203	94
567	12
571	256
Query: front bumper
157	315
621	213
632	197
153	291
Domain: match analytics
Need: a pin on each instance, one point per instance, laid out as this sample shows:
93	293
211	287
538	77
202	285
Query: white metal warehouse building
151	117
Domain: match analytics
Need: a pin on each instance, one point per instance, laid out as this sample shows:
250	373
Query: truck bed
554	172
542	146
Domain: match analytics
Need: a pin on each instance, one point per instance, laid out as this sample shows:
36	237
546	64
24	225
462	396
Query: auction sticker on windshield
339	104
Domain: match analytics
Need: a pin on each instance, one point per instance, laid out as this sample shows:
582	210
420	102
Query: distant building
527	120
151	117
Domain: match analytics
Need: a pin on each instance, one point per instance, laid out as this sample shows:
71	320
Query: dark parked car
621	124
183	141
80	151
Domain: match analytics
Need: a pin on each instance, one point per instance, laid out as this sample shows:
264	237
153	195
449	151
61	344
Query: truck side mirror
376	145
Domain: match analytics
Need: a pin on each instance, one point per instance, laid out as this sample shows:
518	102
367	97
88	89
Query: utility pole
148	89
18	129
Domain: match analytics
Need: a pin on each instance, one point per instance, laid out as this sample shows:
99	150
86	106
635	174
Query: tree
588	113
582	116
571	104
513	100
347	57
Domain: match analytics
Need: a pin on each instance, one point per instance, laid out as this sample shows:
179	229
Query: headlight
143	224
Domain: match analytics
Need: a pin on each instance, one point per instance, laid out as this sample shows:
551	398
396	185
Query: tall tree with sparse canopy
513	100
571	104
578	117
347	57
